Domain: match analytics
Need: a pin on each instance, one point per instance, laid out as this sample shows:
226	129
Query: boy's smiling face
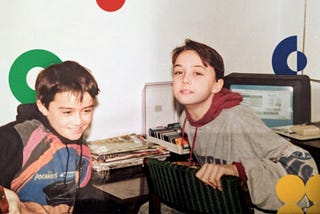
69	116
194	84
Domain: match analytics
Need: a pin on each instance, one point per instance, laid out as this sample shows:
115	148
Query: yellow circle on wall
313	193
290	189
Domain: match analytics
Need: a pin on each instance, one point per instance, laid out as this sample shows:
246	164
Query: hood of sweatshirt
222	100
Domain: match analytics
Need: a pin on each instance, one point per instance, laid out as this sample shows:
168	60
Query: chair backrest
177	186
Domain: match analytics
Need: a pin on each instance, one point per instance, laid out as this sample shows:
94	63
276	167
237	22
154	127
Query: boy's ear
42	108
217	86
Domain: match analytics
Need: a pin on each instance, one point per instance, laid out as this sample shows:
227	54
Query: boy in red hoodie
228	138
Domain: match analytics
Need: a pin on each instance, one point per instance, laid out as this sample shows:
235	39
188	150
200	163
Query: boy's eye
66	112
177	72
89	110
198	73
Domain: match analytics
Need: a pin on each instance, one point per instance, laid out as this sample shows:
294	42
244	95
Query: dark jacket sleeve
11	148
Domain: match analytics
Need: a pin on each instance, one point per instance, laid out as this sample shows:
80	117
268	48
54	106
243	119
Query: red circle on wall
110	5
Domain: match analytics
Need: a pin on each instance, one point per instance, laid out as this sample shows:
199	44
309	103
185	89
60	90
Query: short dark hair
62	77
207	54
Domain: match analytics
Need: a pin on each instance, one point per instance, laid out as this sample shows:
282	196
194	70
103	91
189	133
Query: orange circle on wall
110	5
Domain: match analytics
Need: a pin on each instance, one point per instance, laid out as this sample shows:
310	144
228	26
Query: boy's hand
211	173
13	200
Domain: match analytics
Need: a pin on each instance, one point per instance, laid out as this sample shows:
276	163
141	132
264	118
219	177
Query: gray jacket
238	135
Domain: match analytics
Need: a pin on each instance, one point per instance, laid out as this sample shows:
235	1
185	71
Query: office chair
177	186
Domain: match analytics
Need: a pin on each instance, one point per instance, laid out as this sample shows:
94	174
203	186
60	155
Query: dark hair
207	54
66	76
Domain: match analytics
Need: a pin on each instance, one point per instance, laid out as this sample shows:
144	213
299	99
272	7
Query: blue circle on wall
281	54
20	68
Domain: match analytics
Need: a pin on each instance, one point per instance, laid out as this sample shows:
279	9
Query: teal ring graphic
20	68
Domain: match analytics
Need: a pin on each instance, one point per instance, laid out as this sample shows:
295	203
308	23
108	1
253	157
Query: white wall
131	46
312	50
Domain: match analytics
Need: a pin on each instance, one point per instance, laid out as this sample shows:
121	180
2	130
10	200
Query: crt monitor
279	100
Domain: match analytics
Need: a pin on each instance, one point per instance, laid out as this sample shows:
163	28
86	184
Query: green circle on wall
20	68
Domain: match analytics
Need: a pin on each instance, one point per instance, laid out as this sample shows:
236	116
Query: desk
131	193
125	191
132	189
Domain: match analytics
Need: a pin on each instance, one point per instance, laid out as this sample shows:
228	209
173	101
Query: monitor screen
279	100
273	104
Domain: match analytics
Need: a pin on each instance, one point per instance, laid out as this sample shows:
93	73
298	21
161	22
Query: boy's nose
77	119
186	79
